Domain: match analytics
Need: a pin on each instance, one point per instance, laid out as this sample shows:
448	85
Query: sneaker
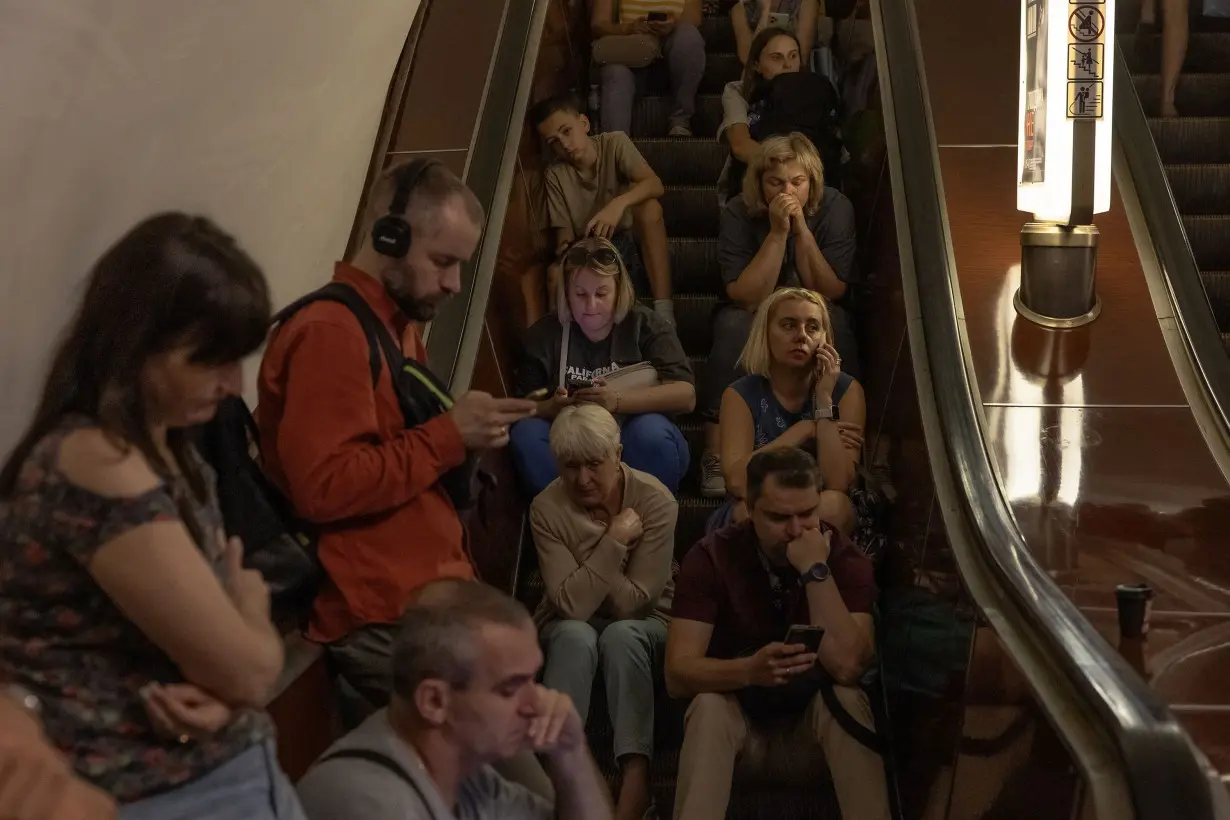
680	129
712	482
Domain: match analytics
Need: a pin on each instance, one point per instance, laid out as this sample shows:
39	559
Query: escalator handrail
1166	779
1160	212
456	332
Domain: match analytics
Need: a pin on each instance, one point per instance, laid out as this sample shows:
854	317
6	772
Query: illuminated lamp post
1063	155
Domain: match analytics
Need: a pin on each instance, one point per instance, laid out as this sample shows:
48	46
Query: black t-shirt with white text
642	336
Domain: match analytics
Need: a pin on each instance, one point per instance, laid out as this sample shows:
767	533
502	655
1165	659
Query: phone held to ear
657	17
808	636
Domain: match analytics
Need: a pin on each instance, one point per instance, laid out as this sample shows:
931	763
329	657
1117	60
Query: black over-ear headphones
391	234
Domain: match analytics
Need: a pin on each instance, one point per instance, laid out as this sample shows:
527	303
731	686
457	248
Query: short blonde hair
584	432
625	296
774	151
756	357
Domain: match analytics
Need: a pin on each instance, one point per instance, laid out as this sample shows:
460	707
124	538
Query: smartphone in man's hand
807	636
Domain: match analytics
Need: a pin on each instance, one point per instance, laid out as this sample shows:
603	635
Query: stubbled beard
416	310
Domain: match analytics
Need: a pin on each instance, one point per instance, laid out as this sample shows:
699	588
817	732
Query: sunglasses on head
581	254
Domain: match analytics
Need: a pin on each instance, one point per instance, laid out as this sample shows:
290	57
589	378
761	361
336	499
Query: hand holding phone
806	636
579	384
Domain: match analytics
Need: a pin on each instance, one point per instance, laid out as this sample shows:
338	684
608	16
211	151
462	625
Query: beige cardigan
585	572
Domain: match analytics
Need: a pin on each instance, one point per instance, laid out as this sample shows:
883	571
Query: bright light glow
1051	199
1030	446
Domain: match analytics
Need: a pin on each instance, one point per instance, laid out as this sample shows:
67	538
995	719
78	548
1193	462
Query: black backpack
803	102
277	542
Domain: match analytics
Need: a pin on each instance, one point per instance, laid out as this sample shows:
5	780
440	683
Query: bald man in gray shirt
464	696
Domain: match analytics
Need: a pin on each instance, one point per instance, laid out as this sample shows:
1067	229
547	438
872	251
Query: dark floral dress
62	638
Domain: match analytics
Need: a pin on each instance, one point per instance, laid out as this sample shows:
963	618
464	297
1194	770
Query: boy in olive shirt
602	186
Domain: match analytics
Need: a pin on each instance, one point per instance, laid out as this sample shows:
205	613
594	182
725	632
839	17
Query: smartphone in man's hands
807	636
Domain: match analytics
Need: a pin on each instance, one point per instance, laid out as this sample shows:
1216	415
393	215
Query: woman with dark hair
123	610
750	17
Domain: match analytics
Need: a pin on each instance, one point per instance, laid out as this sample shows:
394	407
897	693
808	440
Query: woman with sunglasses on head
794	395
124	612
605	330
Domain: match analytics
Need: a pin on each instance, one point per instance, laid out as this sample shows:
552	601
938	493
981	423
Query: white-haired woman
605	535
598	329
786	230
794	395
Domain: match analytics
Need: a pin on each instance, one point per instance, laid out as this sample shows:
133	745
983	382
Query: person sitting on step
794	395
738	594
750	17
605	535
777	96
577	354
773	51
786	229
602	186
676	25
464	699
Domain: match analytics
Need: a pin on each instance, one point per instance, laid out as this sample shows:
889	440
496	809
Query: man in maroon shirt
738	592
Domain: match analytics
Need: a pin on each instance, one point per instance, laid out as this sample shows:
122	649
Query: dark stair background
689	168
1195	147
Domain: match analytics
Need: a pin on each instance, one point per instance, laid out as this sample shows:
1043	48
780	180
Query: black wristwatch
817	573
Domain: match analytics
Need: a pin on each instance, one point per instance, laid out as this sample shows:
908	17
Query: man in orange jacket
339	445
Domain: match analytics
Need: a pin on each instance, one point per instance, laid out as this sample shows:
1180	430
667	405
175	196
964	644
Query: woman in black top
606	330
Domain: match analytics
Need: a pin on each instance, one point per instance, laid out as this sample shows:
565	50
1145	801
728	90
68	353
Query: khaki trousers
716	733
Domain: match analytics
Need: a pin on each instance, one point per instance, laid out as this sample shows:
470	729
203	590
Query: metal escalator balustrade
1195	147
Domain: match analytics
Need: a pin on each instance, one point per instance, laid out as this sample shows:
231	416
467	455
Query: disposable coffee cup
1134	605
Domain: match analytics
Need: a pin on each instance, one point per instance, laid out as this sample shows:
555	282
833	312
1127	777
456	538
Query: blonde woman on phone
794	395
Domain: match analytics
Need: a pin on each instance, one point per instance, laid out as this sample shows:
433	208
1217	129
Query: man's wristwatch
818	573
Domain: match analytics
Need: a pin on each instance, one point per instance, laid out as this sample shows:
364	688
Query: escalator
1195	147
1048	720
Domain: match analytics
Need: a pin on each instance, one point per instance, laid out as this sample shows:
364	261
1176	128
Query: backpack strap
348	296
866	737
563	355
385	762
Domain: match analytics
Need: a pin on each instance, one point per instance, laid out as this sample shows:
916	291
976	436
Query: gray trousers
731	327
684	50
364	658
628	652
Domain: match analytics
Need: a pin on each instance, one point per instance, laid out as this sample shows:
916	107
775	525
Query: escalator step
1192	139
1217	287
718	33
694	265
1206	52
1200	189
651	114
1198	95
691	210
1208	237
684	161
720	69
694	314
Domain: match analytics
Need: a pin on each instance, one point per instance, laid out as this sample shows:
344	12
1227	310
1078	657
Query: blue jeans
251	786
652	444
684	50
628	652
